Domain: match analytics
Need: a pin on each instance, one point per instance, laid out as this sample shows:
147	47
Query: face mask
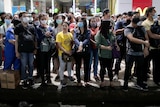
43	22
155	16
25	19
59	21
37	23
128	21
94	25
99	23
80	24
7	21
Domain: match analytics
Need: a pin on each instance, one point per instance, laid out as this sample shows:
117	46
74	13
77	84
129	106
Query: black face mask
69	17
128	21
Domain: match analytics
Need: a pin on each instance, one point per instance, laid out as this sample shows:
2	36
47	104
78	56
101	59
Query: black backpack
26	40
155	28
139	33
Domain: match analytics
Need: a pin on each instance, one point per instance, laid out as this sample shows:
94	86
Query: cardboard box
10	79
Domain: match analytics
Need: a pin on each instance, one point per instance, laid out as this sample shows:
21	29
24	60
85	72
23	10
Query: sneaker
24	84
79	84
49	81
125	87
142	87
115	78
59	87
63	83
96	78
71	78
57	78
31	82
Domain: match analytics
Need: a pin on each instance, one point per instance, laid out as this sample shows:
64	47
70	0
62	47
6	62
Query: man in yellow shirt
154	51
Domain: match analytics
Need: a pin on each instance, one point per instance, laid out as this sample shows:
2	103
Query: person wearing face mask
82	50
154	53
94	50
3	29
121	41
57	28
9	49
137	46
45	40
25	47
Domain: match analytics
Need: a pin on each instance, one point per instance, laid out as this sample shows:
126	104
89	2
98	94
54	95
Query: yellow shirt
65	40
147	25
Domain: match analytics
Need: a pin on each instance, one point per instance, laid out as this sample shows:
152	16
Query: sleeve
16	30
88	36
118	26
77	42
127	32
2	30
9	35
146	26
98	40
58	38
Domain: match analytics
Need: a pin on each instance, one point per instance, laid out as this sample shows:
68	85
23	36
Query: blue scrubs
9	52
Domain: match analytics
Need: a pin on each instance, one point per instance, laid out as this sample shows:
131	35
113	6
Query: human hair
104	28
42	15
149	10
85	25
55	23
21	14
9	15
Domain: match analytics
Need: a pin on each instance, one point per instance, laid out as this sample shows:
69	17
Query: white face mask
25	19
99	23
43	22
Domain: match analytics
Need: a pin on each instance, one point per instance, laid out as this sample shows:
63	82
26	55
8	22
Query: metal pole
52	6
74	6
31	5
95	6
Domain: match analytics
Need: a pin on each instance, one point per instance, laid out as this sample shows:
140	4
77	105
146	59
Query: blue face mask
80	24
7	21
59	21
155	16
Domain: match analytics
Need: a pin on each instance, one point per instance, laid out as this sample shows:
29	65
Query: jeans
26	59
106	63
94	54
86	59
63	66
1	56
155	56
45	58
139	61
119	60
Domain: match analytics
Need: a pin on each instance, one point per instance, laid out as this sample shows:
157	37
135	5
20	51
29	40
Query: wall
8	6
156	3
123	6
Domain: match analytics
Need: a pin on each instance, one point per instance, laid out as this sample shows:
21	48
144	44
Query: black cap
106	11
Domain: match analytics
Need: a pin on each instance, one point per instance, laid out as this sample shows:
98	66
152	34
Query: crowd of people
31	41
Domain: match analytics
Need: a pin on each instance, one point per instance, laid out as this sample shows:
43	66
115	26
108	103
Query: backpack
137	33
26	40
48	43
155	28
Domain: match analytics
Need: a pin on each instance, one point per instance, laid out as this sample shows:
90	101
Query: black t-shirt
26	37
